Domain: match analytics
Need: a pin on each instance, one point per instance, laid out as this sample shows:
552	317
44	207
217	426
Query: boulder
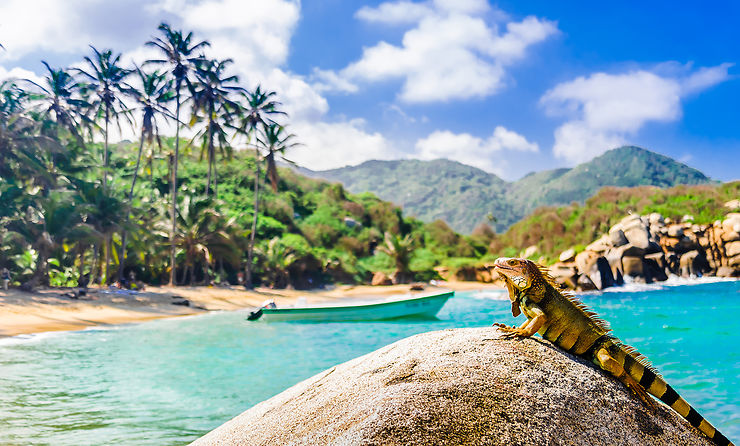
733	205
584	260
655	218
443	272
637	234
727	271
600	245
731	222
453	387
730	236
351	222
617	237
632	266
675	231
585	283
687	263
653	268
568	255
734	261
483	274
732	249
600	273
529	252
381	278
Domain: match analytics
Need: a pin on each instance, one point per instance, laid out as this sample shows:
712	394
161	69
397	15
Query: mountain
465	196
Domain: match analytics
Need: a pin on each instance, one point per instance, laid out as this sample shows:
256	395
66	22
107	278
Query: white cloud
331	145
19	74
396	13
450	53
606	109
472	150
40	25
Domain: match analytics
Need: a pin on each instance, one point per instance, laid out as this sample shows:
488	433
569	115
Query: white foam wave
31	337
631	287
489	295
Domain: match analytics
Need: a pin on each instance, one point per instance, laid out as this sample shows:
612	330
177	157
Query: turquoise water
170	381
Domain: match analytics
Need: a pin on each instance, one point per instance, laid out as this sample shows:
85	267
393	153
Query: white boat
400	306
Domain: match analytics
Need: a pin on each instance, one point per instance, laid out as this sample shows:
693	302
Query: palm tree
106	81
400	250
274	140
276	259
212	104
259	111
59	100
202	234
178	51
152	98
24	151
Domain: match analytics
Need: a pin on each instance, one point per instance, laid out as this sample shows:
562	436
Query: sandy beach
52	310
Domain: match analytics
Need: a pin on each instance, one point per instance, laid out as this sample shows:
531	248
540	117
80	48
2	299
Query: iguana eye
512	262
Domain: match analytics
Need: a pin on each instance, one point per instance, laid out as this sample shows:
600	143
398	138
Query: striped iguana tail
637	366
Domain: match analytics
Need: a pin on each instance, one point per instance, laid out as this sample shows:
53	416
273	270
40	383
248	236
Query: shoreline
49	310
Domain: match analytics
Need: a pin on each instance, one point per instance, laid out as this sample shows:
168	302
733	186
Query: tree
212	104
105	81
276	259
59	99
177	49
259	109
202	234
400	250
151	99
275	141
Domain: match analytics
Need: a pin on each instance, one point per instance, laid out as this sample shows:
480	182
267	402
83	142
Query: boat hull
422	306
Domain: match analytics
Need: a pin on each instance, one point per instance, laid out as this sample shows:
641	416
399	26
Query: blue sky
509	87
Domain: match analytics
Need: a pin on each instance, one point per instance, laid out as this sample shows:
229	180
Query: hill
465	196
461	195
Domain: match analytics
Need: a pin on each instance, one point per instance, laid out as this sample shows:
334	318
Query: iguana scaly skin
560	318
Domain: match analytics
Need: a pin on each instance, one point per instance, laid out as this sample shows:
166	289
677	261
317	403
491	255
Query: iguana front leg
528	328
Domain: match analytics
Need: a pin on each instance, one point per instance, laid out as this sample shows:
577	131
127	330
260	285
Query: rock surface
464	386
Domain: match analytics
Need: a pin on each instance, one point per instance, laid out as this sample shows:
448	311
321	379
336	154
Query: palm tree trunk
210	157
81	268
94	266
122	256
250	249
173	213
106	258
105	153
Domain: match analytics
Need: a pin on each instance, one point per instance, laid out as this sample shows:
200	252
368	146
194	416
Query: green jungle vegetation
76	210
466	196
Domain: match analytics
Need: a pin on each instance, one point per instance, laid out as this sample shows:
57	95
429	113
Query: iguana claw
510	332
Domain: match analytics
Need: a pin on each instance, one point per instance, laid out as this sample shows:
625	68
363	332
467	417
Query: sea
171	381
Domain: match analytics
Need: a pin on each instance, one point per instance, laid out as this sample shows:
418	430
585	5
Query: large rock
616	237
600	245
380	278
584	260
601	274
453	387
632	266
637	234
732	249
568	255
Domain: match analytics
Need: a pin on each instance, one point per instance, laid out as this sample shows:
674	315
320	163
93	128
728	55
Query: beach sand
50	310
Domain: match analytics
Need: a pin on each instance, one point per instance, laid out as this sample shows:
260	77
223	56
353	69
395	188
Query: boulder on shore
463	386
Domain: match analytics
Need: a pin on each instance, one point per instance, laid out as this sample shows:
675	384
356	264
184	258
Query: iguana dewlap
560	318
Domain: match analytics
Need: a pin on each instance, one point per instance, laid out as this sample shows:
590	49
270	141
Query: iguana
560	318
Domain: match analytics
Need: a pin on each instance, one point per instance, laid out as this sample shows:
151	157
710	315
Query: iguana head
521	276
